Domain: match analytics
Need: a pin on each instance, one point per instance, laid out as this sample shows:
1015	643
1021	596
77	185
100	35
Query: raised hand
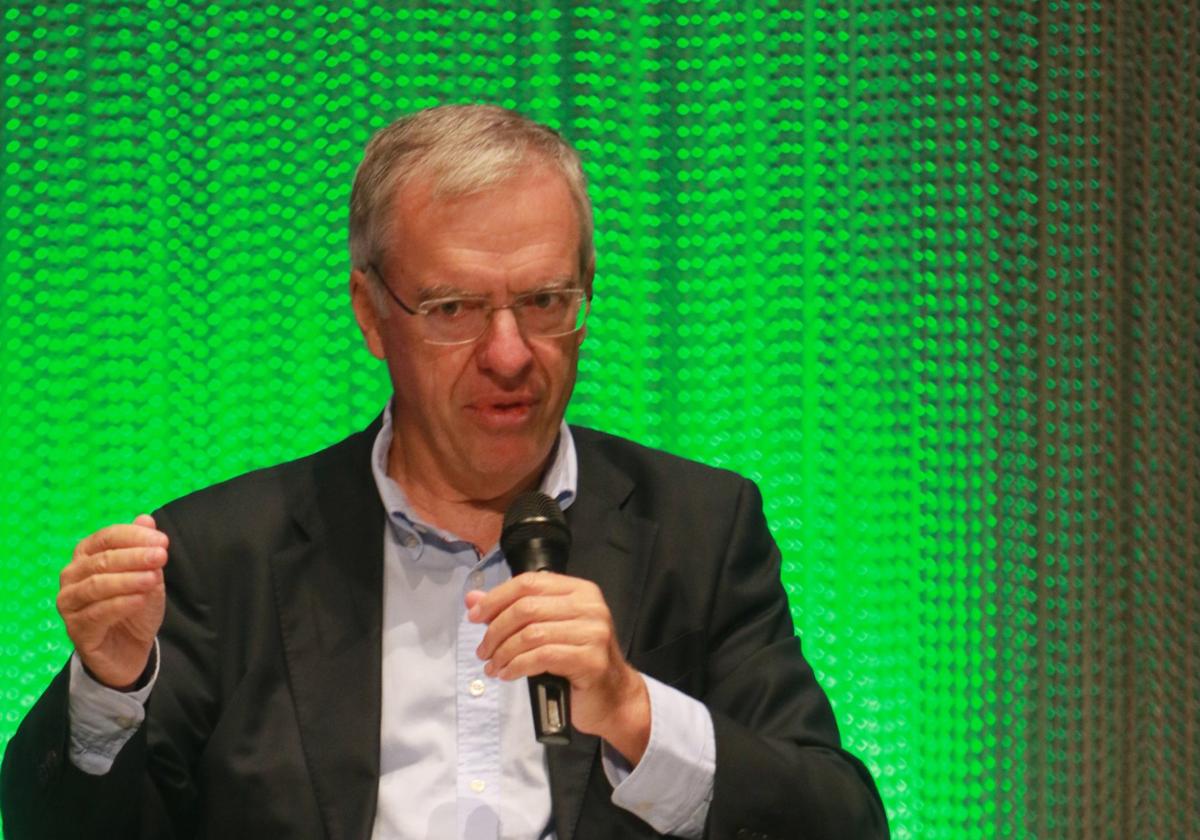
111	597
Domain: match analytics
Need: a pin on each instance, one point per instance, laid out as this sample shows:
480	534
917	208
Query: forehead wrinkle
477	270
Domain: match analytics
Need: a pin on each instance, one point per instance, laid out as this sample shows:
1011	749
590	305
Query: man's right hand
111	597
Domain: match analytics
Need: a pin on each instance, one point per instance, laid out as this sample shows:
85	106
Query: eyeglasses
541	313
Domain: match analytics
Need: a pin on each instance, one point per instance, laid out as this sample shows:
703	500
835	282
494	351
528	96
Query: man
336	648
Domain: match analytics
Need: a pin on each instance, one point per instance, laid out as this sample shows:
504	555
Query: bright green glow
816	267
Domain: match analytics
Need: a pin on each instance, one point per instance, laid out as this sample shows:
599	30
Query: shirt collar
559	482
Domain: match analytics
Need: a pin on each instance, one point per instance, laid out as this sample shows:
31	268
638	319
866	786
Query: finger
571	662
121	536
537	608
113	560
530	583
145	520
540	634
79	596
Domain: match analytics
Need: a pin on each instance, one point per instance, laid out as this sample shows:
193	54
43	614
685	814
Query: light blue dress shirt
458	758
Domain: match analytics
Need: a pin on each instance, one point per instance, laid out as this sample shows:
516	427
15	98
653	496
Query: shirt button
477	785
126	722
477	579
410	541
476	687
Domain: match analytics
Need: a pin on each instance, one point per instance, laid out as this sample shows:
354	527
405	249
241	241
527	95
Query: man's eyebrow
553	285
439	291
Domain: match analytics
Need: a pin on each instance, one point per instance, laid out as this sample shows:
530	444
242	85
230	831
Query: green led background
927	271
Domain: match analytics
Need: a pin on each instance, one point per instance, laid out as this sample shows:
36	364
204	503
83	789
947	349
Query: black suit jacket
265	719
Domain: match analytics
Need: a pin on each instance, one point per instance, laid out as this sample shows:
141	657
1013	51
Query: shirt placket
477	719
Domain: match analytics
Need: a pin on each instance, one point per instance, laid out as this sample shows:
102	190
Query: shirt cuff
671	787
102	718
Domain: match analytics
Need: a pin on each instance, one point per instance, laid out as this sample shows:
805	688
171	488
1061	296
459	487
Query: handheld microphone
535	538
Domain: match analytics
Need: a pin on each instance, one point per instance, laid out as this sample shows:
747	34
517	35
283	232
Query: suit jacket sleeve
273	610
692	576
45	796
221	752
780	769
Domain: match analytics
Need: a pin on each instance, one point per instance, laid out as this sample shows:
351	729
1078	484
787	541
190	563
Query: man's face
476	421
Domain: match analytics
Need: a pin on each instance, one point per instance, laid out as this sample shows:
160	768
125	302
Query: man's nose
502	348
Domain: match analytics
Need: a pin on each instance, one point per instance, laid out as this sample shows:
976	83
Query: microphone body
535	538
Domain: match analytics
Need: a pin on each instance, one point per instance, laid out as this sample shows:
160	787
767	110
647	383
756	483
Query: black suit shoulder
264	504
658	484
646	463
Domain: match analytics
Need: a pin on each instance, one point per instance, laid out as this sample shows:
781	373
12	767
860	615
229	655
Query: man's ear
365	313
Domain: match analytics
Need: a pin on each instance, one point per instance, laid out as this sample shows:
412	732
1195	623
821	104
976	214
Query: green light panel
925	271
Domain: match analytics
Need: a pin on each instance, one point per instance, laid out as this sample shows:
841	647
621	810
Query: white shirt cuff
671	787
102	718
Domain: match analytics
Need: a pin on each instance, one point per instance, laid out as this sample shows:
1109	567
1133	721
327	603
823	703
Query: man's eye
543	300
450	309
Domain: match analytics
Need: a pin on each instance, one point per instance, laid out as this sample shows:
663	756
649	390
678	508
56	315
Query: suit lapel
328	589
609	547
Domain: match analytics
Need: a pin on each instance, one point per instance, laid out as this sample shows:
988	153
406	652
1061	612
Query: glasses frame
491	310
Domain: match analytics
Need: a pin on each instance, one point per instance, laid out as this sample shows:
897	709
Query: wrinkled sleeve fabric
102	719
671	787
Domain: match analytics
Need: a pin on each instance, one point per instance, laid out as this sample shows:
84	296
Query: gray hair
463	149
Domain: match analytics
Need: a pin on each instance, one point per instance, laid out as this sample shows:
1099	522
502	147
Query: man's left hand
541	622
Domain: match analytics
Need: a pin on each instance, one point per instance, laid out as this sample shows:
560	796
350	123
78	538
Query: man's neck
473	516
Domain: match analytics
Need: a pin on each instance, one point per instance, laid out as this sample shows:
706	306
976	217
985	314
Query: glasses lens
455	320
544	314
550	313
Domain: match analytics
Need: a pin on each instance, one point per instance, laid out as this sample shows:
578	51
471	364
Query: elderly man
335	647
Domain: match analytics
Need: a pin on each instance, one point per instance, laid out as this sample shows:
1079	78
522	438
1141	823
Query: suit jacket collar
329	594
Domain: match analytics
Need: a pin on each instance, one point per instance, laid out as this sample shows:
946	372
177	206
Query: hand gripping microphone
535	538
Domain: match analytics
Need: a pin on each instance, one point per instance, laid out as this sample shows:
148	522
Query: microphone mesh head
533	515
534	505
